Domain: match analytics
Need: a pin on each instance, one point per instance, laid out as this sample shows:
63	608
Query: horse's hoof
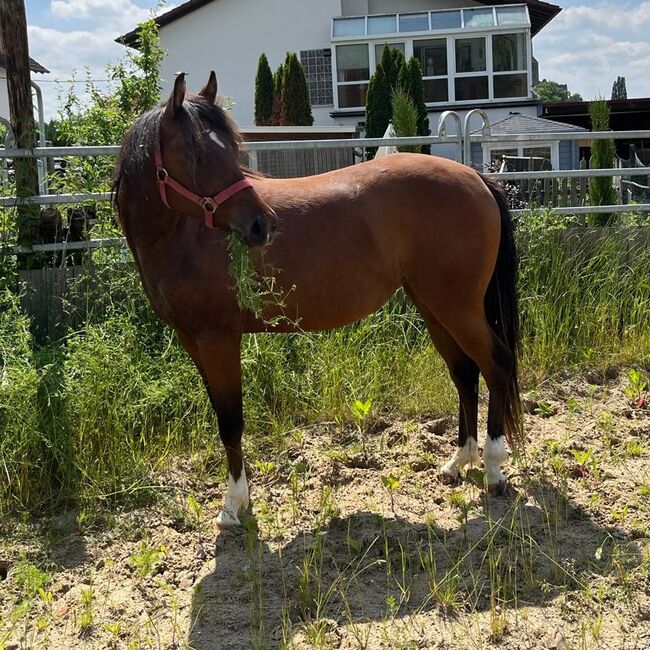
499	488
227	520
449	477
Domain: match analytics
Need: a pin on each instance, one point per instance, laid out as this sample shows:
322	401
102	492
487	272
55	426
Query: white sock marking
236	498
494	455
468	453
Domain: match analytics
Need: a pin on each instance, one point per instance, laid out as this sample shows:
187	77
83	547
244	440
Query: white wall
229	36
4	97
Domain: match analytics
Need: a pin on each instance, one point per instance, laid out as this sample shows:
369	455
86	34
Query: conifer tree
378	106
277	118
392	60
619	89
410	81
263	92
295	95
601	191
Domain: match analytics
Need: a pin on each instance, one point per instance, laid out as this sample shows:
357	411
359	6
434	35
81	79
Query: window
379	49
509	56
470	55
511	16
470	58
414	22
432	55
474	54
349	27
478	17
352	65
382	24
445	20
317	65
548	152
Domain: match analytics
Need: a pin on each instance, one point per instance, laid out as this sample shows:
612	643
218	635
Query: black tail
502	311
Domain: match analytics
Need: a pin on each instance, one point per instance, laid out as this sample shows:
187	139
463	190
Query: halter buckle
162	175
209	205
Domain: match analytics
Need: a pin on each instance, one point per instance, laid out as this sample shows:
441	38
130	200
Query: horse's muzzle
262	229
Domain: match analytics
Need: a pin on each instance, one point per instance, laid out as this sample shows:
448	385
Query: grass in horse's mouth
250	287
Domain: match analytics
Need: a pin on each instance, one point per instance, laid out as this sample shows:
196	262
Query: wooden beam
13	37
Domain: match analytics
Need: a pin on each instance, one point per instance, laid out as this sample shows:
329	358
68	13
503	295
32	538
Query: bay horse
341	243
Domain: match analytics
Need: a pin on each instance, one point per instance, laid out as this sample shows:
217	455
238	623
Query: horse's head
199	148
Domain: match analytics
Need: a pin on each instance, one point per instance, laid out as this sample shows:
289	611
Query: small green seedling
360	410
545	410
266	468
391	483
586	462
196	508
636	390
148	558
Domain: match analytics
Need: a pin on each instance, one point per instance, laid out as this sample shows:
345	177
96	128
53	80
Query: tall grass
94	415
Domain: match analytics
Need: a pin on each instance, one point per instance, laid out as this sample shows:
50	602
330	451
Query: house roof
541	13
518	123
34	66
625	114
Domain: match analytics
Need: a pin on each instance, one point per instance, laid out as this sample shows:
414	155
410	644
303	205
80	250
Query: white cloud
115	13
583	48
81	51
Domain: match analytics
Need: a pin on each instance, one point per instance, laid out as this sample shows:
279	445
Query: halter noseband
208	203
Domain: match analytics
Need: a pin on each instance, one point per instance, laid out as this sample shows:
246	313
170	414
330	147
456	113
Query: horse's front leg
217	357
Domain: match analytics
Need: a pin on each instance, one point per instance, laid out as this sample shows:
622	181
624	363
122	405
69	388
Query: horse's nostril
257	228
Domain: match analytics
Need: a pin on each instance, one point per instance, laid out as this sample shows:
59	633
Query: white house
4	97
473	53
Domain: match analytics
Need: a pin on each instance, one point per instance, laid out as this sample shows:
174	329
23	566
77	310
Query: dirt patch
353	542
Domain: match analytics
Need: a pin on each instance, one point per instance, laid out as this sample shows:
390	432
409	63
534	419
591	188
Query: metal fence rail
357	144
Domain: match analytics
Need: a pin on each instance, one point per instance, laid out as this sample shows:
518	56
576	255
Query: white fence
463	145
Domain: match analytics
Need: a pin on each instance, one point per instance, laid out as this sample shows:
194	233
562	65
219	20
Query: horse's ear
209	91
175	100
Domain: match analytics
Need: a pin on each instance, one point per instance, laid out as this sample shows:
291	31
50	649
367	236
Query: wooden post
13	36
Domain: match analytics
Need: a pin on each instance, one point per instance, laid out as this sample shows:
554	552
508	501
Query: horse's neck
153	231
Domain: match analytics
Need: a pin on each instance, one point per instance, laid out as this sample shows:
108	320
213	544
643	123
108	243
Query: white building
473	53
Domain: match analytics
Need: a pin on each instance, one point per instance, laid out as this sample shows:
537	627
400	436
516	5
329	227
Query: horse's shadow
366	567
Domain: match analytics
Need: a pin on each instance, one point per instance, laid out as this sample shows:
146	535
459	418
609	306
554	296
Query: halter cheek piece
209	204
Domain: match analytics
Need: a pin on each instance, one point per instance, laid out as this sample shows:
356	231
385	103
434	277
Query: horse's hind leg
217	358
474	335
464	373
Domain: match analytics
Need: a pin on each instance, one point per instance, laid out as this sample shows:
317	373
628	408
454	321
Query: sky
586	46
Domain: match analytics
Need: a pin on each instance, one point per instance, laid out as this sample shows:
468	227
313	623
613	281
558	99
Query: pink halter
208	203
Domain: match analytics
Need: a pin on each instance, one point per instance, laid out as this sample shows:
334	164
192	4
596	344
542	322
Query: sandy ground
347	547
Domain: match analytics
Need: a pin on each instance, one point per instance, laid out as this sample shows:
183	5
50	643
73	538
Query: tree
378	106
277	118
601	191
405	118
552	91
263	92
410	80
295	95
105	117
392	60
619	89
